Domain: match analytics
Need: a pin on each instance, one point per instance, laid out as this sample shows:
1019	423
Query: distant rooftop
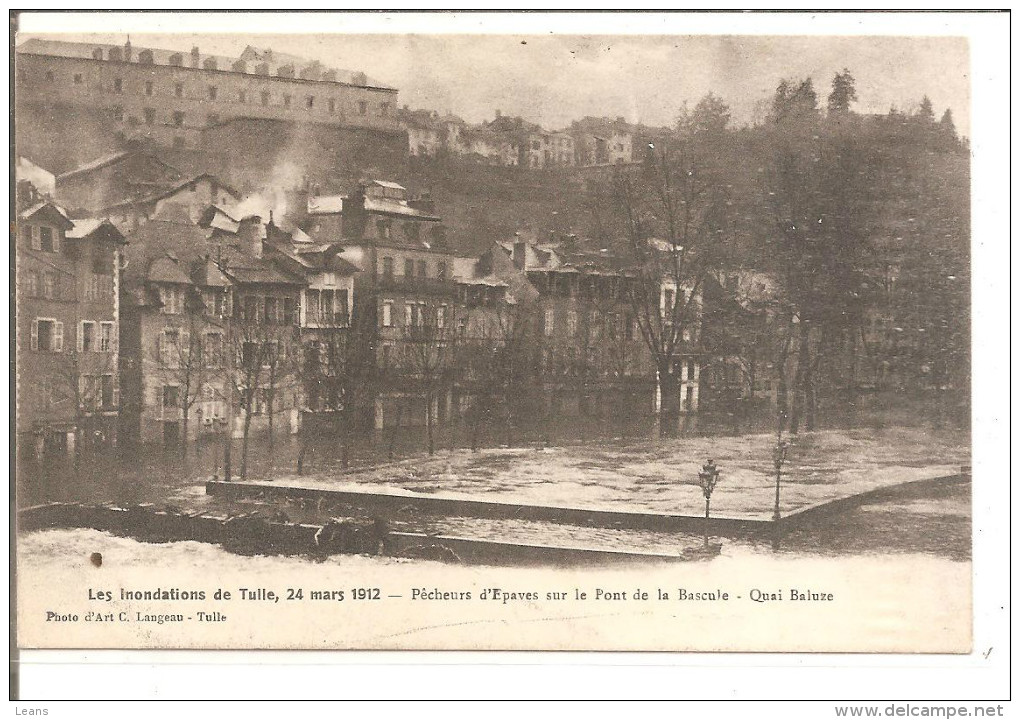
253	61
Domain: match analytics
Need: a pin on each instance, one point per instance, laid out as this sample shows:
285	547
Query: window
87	336
169	347
105	336
387	265
171	397
290	311
310	102
550	322
387	313
265	98
215	303
179	90
150	116
49	285
286	100
106	387
118	114
383	227
410	313
212	118
97	54
78	79
409	268
118	85
178	118
668	301
332	105
46	243
441	317
249	354
173	300
272	310
49	76
251	309
213	350
148	87
29	236
422	268
212	92
47	335
441	270
571	323
384	109
31	283
342	313
242	96
362	107
88	390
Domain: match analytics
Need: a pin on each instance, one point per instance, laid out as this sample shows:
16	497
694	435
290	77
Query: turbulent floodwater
600	465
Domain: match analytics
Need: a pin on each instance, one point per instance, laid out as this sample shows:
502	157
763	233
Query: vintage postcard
632	341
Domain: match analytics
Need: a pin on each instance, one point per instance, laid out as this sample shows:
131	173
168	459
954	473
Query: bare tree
427	352
673	216
179	357
280	356
247	345
339	369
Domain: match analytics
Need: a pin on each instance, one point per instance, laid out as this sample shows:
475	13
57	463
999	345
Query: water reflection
153	474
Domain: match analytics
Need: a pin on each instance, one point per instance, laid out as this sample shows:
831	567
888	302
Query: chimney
127	50
354	218
194	56
520	252
249	232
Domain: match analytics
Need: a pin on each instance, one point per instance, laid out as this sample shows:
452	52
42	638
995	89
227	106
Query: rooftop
302	68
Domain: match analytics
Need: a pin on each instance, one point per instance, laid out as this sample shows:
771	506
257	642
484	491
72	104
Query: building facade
211	341
68	315
171	96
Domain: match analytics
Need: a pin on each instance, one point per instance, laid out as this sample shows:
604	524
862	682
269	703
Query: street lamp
708	478
778	458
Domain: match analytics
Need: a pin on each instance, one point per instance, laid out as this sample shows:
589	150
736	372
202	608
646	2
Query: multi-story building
210	332
602	141
425	135
590	347
541	149
489	146
593	347
171	96
68	313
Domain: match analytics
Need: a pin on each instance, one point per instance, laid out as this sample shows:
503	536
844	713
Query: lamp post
778	458
708	478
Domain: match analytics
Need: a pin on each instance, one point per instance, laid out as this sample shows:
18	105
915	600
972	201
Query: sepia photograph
345	340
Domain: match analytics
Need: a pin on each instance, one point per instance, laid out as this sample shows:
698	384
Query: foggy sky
553	79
